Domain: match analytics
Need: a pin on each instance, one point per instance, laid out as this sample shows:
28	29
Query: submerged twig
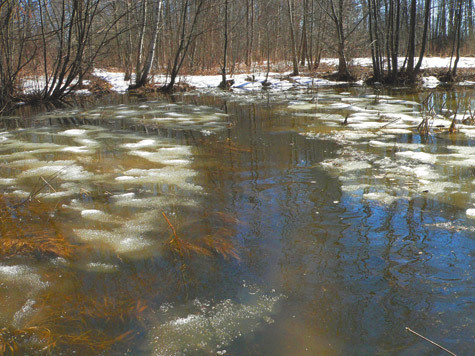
432	342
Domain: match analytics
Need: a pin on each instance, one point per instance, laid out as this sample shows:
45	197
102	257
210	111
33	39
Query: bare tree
223	84
143	72
186	37
16	50
295	62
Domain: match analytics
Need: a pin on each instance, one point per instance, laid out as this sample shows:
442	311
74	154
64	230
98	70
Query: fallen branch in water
432	342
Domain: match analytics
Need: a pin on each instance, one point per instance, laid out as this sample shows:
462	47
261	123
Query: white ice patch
57	195
382	197
21	193
141	144
21	274
349	166
119	241
73	132
211	329
87	142
166	156
77	149
430	82
25	311
418	156
367	125
436	187
124	196
101	267
176	176
470	213
422	172
464	150
7	181
463	163
68	173
96	215
397	131
354	187
206	132
302	106
126	239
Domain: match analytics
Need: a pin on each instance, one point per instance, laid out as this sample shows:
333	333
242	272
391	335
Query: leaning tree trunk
424	35
185	41
458	30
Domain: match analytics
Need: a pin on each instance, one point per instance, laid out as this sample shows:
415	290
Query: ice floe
21	274
141	144
174	176
62	172
120	241
73	132
212	327
97	215
418	156
470	213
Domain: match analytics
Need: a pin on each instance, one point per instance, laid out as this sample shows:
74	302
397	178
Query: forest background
62	41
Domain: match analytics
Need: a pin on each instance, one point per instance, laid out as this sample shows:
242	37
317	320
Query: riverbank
104	80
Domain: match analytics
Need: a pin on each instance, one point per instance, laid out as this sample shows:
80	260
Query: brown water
238	224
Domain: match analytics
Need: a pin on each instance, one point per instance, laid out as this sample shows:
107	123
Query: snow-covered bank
282	81
427	62
255	81
245	82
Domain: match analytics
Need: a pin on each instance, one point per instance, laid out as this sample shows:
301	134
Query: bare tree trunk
337	17
138	63
458	30
295	62
128	55
185	41
304	44
249	31
412	40
223	84
424	35
145	71
395	48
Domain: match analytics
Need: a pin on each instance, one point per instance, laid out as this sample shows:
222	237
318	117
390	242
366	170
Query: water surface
297	223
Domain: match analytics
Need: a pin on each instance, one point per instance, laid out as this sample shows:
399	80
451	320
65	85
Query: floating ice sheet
73	132
21	274
174	176
141	144
97	215
211	328
382	197
62	172
418	156
120	242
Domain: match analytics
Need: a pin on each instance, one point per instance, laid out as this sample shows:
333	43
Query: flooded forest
237	177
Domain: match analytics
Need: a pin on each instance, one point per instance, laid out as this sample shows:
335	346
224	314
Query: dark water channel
292	236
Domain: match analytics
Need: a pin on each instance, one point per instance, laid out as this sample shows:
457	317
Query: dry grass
17	342
28	230
219	243
88	324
